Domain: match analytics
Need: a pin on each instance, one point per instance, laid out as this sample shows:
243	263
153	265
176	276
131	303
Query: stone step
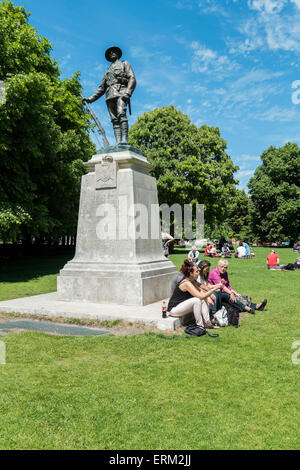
48	304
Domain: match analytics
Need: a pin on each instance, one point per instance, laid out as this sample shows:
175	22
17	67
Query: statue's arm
131	79
99	92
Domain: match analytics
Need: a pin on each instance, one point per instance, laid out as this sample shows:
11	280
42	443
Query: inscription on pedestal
106	173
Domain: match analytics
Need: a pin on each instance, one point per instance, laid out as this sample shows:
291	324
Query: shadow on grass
32	267
180	251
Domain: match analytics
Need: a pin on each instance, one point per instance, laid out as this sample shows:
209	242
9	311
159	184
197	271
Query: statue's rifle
100	128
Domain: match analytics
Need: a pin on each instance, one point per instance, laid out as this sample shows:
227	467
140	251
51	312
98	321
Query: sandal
263	304
212	327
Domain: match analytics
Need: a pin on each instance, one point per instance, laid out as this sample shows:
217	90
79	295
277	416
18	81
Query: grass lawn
156	391
30	275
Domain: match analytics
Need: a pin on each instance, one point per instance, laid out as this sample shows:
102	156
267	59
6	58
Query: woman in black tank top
188	298
178	297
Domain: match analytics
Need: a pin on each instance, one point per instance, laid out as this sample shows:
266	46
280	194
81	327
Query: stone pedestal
119	257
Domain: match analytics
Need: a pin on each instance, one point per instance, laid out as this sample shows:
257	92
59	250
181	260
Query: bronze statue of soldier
118	84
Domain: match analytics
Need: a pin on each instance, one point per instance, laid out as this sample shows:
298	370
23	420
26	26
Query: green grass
153	391
30	275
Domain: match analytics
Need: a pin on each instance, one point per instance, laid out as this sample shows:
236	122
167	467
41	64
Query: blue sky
225	63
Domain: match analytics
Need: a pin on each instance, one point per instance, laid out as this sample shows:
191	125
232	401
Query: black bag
195	330
244	300
233	314
290	267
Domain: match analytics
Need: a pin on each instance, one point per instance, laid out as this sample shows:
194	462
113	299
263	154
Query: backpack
290	267
196	330
222	317
233	315
245	300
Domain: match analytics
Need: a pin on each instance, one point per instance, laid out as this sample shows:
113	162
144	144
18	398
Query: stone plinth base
136	284
119	256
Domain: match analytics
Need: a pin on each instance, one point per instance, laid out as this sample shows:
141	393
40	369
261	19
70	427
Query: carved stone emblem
106	173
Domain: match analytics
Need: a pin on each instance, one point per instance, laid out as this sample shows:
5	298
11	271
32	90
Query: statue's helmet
115	49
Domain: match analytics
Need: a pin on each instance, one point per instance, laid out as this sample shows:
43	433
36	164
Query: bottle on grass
164	310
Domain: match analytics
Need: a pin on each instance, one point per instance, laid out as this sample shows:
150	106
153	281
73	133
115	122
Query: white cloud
212	7
207	60
150	107
244	173
239	99
139	52
277	114
295	138
161	80
254	39
274	25
65	60
246	96
203	52
184	4
92	84
250	158
61	30
99	68
269	6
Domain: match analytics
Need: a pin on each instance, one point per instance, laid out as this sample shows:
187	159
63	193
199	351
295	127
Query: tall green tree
44	134
190	163
275	194
238	217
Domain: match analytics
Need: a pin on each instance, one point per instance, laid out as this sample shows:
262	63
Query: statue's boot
117	132
124	132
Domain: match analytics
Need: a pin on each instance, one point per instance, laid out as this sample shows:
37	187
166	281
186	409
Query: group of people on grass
243	250
212	252
202	291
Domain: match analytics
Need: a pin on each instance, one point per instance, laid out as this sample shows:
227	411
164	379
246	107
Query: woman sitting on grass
226	251
219	275
241	251
273	262
213	252
203	272
207	249
187	297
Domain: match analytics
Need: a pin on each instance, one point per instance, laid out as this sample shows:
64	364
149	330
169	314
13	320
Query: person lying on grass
188	297
219	275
